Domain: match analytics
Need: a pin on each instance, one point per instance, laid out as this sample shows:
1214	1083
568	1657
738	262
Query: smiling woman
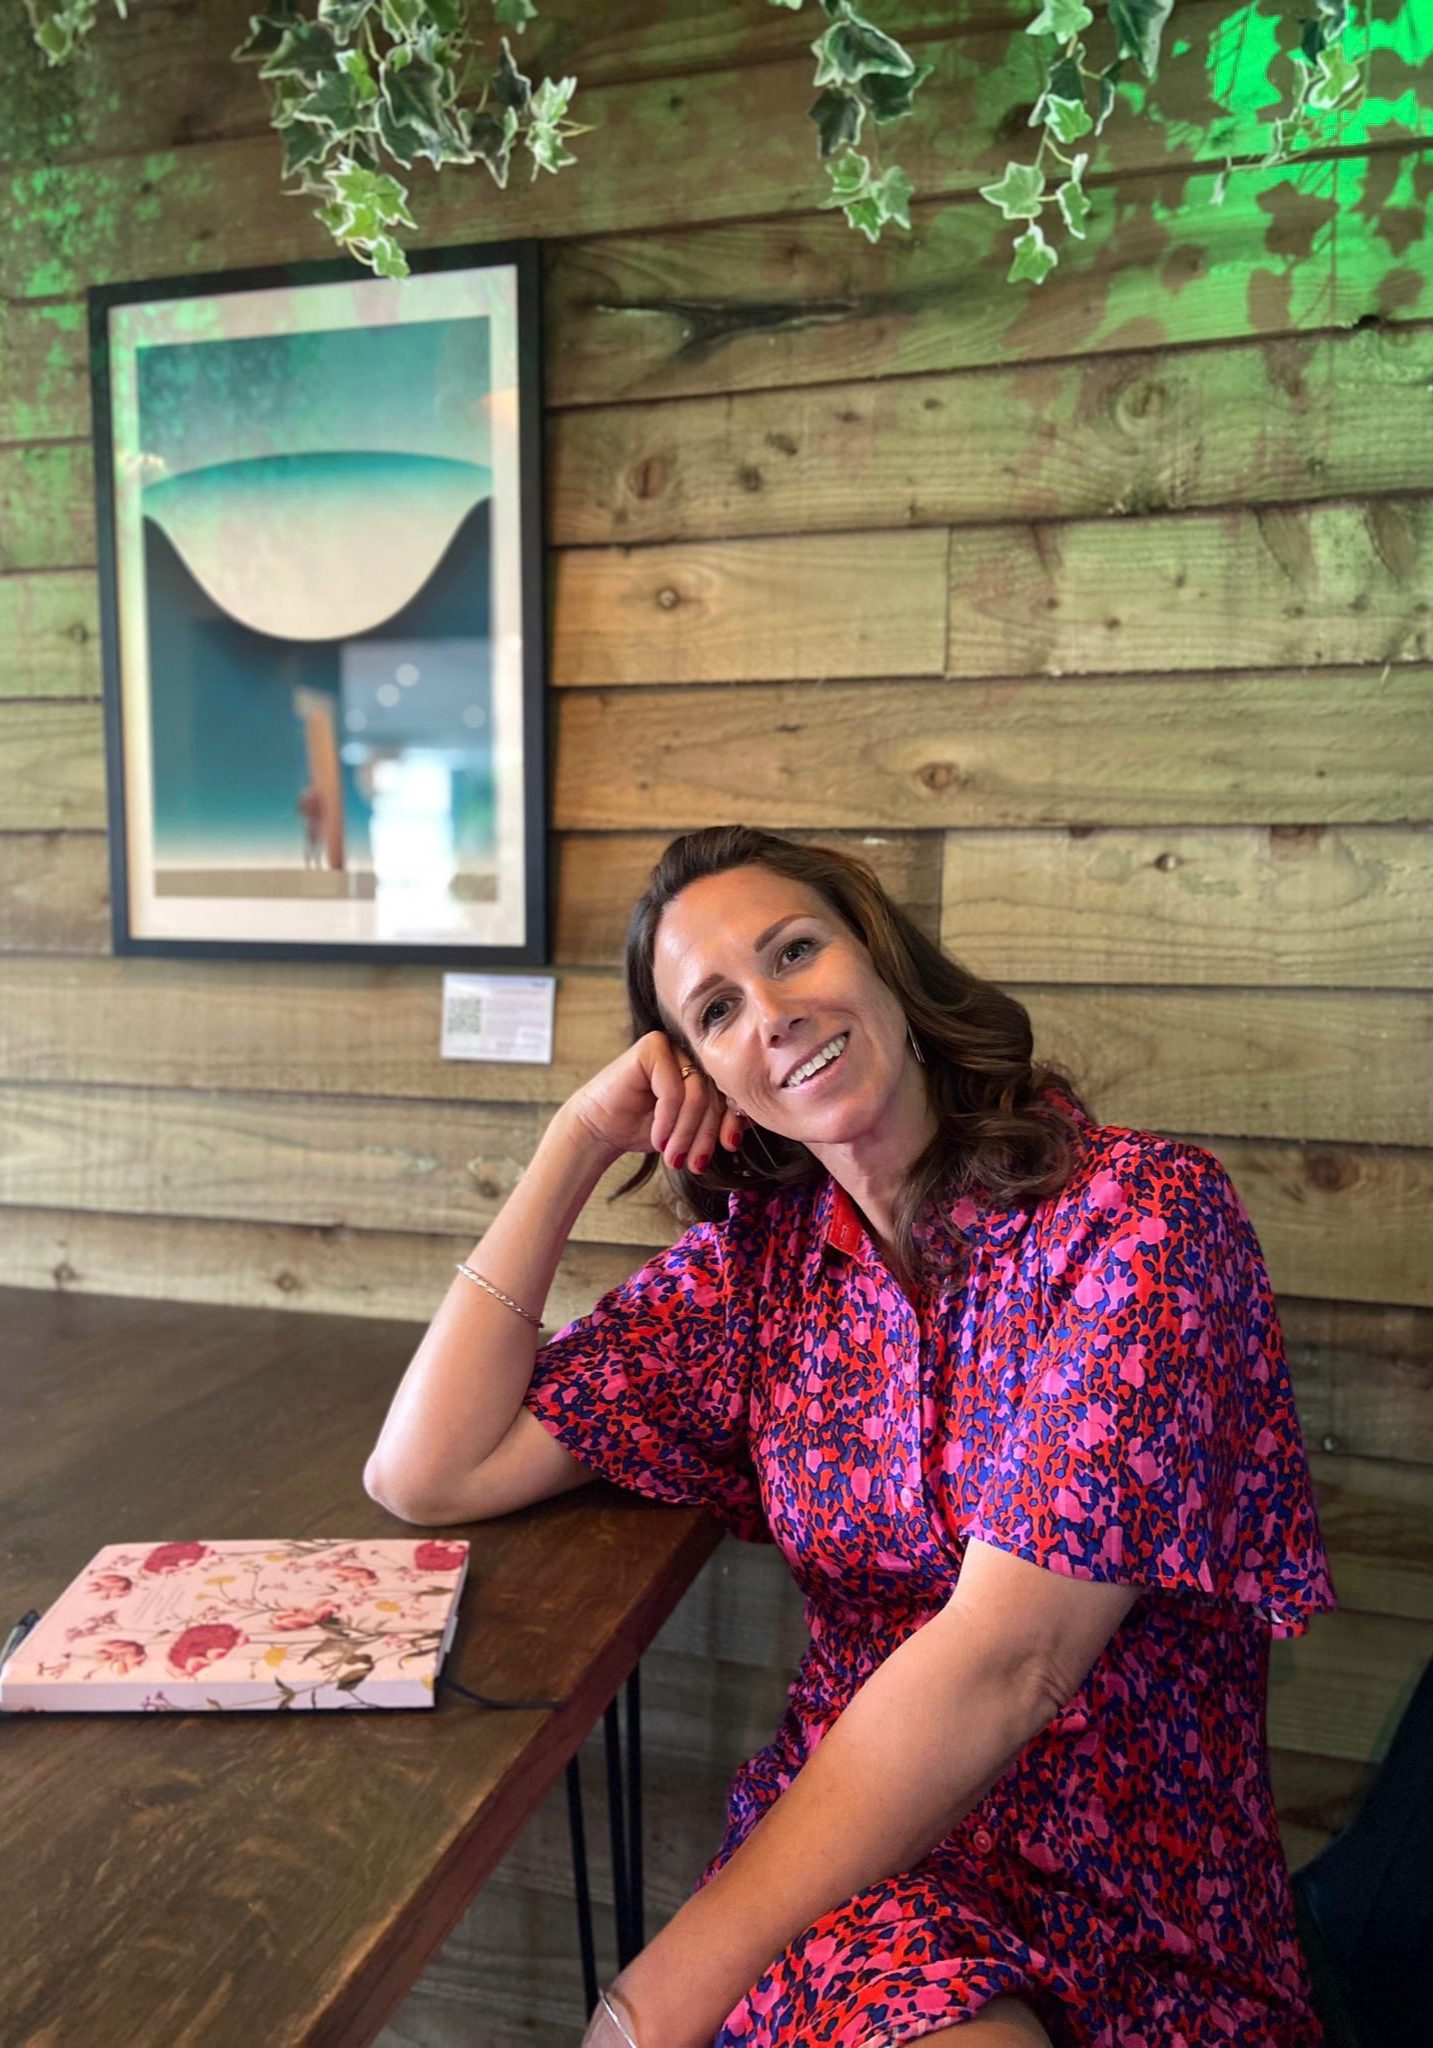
1007	1389
803	944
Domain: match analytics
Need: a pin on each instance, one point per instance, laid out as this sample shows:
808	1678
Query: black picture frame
222	516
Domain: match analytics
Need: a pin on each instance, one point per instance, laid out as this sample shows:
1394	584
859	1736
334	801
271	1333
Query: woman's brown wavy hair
995	1132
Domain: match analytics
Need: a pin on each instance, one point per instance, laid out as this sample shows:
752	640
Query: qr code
465	1016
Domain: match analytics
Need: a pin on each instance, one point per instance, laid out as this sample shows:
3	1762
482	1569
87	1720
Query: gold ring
686	1072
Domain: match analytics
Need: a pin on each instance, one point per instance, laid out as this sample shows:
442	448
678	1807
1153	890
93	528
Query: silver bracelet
507	1300
616	2018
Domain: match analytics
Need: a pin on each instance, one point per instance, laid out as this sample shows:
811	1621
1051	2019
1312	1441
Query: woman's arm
464	1389
931	1731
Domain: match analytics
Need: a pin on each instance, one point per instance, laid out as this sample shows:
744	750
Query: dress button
983	1840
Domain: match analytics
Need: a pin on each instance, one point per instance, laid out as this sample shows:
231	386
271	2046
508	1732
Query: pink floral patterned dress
1100	1388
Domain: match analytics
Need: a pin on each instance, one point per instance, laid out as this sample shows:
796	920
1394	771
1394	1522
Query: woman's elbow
406	1502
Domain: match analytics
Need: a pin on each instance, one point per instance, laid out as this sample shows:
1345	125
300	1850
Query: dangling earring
910	1034
750	1131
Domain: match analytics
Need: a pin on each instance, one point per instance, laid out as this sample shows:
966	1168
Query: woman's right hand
642	1103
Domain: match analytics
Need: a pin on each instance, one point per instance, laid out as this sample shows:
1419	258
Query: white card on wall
498	1017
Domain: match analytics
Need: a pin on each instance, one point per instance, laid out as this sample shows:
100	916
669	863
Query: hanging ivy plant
362	89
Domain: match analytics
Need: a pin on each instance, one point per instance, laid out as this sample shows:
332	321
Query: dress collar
976	1219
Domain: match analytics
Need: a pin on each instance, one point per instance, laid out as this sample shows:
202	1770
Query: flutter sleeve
651	1388
1157	1443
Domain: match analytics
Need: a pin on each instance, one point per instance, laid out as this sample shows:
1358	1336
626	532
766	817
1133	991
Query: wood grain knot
1143	400
939	774
1327	1172
649	477
668	598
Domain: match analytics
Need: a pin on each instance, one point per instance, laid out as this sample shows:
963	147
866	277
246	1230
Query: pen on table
18	1634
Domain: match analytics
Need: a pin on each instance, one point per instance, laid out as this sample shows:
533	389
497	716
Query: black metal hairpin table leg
636	1915
624	1806
617	1828
625	1811
580	1885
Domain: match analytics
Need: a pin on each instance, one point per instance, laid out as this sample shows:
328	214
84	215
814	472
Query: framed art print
320	520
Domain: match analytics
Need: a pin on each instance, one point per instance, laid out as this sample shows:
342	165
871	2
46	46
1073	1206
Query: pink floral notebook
156	1627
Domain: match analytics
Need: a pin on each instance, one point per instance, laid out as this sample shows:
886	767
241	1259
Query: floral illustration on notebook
319	1623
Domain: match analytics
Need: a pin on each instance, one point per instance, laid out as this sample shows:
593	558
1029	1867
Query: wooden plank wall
1097	617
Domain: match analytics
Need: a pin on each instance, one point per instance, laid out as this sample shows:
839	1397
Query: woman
1007	1388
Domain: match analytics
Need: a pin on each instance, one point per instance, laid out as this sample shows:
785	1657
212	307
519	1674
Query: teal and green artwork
322	611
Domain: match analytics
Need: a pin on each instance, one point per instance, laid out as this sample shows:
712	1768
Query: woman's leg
1003	2023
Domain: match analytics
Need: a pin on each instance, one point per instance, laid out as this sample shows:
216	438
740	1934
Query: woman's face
760	975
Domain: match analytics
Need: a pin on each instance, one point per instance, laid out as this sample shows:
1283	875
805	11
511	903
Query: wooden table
236	1879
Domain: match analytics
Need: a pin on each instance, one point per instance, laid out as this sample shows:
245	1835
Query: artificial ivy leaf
286	96
1337	77
304	143
893	192
1074	206
510	88
1067	120
1018	192
266	32
890	98
413	117
865	214
372	191
851	49
447	16
305	51
1221	184
312	179
1334	15
387	258
1062	18
514	13
490	139
361	223
1139	24
1067	80
1311	42
549	151
402	18
338	104
400	138
354	65
343	16
55	38
73	22
550	101
849	174
1034	258
838	116
794	5
1109	78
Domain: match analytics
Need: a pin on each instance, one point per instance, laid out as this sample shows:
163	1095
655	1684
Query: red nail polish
679	1162
699	1165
